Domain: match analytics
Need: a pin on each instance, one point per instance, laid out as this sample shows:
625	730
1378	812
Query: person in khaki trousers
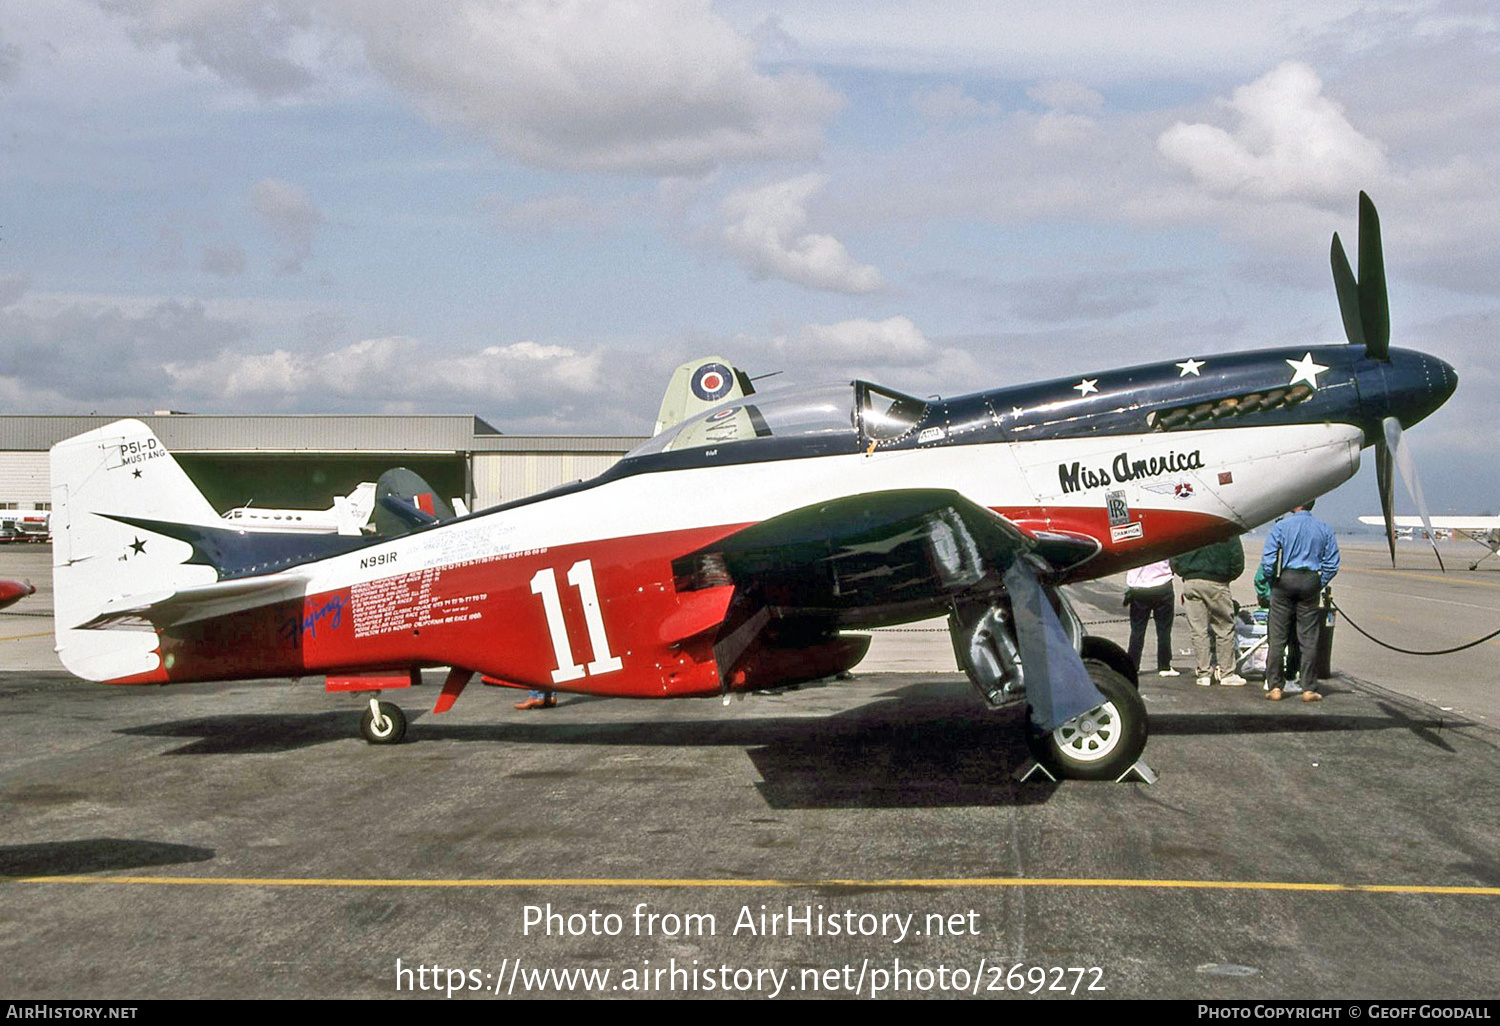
1206	574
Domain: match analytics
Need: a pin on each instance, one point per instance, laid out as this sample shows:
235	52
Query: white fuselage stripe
1245	476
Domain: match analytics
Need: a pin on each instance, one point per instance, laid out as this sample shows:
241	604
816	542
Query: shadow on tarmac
95	855
252	733
908	750
1250	724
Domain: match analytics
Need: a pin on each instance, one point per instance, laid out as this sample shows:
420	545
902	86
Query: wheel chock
1138	771
1032	767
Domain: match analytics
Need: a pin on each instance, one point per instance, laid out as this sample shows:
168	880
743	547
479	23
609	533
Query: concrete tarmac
240	840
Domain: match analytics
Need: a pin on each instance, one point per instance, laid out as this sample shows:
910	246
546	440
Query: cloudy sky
533	210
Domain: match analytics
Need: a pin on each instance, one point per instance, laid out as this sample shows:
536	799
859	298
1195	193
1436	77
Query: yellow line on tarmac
20	637
1415	575
679	883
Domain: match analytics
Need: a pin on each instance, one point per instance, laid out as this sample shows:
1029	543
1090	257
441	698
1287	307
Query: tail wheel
1102	743
383	723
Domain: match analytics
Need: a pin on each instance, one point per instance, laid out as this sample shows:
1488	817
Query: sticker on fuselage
1119	511
1120	527
1181	489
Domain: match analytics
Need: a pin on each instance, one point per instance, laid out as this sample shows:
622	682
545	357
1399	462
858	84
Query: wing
889	557
1444	523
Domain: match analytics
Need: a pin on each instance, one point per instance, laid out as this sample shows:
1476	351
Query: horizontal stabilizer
187	605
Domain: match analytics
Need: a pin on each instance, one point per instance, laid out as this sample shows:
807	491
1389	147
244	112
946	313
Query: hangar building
302	462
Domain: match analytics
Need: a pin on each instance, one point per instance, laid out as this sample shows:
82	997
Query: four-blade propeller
1366	311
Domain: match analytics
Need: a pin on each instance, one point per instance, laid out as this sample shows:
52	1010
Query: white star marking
1305	370
1016	411
1087	385
1190	367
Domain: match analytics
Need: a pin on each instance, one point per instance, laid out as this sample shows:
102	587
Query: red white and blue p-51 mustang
735	551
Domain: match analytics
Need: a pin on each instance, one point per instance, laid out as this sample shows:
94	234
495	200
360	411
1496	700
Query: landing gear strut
383	723
1103	743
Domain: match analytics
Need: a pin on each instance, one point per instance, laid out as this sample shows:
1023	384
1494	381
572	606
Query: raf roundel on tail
712	382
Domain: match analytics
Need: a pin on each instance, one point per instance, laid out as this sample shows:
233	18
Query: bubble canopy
844	416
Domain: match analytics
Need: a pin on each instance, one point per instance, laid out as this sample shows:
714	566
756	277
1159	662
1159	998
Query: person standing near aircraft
1149	595
538	700
1206	574
1300	559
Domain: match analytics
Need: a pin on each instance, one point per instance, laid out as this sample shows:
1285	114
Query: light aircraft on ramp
1484	530
348	515
696	567
12	592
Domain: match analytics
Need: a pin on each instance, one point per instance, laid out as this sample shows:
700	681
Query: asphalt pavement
865	837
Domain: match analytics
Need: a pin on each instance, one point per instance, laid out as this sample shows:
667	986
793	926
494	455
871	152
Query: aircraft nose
1414	385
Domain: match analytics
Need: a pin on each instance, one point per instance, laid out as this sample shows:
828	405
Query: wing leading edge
888	557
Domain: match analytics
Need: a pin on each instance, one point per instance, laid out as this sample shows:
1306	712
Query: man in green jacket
1206	574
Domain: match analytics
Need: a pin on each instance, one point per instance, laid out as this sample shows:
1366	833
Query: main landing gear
383	723
1104	743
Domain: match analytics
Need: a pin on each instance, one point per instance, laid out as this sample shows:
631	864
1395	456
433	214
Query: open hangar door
310	480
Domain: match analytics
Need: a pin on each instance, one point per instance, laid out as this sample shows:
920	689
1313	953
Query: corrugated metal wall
233	451
24	479
503	477
234	433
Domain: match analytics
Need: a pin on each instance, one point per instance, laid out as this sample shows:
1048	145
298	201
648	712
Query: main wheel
1102	743
388	728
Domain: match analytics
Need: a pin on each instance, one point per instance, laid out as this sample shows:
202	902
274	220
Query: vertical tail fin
121	469
405	501
699	385
353	511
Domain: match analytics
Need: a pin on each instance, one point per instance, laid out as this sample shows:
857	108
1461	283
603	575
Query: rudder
121	469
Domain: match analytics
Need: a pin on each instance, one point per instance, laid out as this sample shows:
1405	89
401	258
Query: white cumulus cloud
766	232
654	86
895	341
1290	141
388	372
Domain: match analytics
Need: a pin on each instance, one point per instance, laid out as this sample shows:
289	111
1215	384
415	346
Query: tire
1116	740
389	730
1107	652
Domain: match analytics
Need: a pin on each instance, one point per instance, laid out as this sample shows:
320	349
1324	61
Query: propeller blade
1374	305
1348	292
1395	442
1383	469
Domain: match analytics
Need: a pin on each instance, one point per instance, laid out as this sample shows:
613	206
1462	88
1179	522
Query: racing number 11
580	576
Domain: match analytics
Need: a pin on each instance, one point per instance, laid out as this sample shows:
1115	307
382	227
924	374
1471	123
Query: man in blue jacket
1300	559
